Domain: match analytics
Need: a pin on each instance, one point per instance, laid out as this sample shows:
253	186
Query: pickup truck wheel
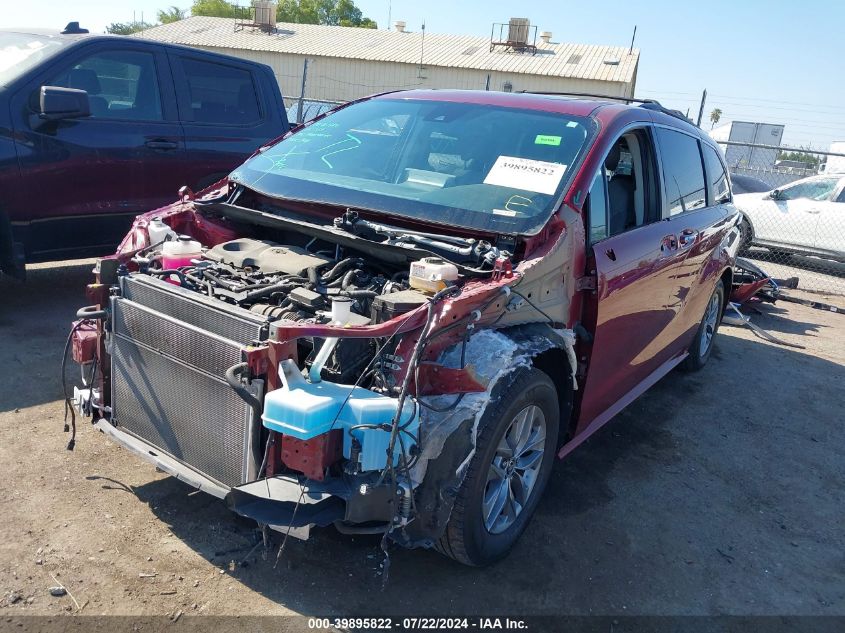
515	448
702	344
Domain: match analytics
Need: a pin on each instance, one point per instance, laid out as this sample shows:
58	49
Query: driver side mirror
58	103
775	194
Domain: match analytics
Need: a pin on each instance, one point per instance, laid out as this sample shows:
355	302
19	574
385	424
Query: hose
167	273
282	286
359	294
68	406
92	313
233	377
341	267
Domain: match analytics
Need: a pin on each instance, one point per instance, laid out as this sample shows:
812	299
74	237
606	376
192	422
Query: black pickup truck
97	129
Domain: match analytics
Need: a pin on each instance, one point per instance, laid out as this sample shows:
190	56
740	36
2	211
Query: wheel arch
747	218
12	259
727	278
555	364
533	345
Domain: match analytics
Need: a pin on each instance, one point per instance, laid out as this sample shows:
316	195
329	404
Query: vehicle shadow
628	494
774	318
35	318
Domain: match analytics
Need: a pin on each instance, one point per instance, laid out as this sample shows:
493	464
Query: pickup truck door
228	109
89	177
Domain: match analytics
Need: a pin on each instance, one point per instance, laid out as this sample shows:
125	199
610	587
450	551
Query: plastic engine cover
266	256
304	410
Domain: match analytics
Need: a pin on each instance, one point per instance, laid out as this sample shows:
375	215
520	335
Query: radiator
169	350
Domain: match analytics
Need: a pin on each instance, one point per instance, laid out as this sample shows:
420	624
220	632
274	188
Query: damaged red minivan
393	318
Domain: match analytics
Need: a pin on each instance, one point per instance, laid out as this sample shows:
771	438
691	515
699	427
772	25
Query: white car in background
806	216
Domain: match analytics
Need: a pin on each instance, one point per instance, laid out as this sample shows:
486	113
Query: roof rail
73	28
648	104
654	105
585	94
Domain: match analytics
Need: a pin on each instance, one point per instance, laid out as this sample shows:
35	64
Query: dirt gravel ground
720	492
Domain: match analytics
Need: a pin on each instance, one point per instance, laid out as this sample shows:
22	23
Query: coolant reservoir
159	231
432	274
180	252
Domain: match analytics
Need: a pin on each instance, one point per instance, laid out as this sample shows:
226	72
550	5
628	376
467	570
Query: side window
841	197
220	94
683	174
120	85
597	210
630	178
717	179
817	189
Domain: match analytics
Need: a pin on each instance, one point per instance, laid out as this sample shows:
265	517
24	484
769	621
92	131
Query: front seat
87	80
620	195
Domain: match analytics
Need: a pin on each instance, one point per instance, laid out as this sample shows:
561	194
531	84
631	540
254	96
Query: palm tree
715	116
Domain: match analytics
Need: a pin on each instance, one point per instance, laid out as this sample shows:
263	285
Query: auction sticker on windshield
526	174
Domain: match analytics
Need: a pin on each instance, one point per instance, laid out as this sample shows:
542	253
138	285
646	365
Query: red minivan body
538	337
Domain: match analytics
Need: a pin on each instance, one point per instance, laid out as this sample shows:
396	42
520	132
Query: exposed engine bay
269	366
290	283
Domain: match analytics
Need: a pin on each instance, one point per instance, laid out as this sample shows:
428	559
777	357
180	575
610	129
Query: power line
752	99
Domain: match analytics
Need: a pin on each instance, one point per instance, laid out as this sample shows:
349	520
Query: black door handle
161	144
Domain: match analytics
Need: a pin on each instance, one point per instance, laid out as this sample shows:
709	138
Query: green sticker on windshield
545	139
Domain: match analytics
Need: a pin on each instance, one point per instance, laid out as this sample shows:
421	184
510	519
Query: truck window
120	85
683	174
220	93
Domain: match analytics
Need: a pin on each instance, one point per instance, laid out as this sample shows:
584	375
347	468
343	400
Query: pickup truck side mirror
63	103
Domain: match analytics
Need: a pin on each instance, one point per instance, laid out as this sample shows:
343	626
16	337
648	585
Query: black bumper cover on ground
285	501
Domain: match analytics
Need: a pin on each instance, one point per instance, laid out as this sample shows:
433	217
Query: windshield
21	51
496	169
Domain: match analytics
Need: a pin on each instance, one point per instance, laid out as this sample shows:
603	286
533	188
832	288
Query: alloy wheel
514	469
711	319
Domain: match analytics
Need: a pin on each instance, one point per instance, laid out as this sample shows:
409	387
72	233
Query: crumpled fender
448	438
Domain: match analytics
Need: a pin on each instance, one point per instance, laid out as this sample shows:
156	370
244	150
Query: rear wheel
515	448
702	344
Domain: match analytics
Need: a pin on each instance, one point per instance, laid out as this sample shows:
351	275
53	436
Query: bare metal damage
449	439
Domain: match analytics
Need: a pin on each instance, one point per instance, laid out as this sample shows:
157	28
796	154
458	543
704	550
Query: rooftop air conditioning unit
518	30
265	15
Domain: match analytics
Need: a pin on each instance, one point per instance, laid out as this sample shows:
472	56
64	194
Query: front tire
746	235
515	447
702	344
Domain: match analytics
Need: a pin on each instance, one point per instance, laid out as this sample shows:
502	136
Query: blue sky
774	61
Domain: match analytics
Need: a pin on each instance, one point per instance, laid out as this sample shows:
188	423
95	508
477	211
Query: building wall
337	79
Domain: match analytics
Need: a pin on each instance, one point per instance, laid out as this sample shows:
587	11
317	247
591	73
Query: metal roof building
346	63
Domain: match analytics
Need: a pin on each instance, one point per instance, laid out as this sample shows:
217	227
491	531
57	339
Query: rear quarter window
220	94
717	179
683	173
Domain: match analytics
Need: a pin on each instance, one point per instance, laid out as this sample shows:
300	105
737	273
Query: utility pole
701	109
302	92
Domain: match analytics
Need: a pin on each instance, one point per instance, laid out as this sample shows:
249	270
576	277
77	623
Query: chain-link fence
302	109
793	203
